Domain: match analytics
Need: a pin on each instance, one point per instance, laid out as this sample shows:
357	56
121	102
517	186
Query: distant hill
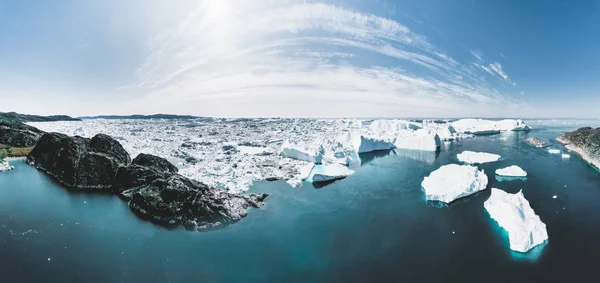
16	117
141	117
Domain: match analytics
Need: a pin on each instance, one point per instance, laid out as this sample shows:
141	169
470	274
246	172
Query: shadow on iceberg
428	157
510	178
319	185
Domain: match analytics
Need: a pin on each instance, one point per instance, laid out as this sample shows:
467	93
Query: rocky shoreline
585	142
151	185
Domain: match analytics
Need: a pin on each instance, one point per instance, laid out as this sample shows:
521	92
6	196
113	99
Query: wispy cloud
297	58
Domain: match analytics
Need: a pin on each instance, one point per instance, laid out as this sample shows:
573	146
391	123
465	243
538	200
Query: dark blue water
373	226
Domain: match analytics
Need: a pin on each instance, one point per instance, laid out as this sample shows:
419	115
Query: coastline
583	154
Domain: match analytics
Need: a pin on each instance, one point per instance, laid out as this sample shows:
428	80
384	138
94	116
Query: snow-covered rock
451	182
554	151
513	213
420	139
512	171
486	127
302	153
329	172
4	166
472	157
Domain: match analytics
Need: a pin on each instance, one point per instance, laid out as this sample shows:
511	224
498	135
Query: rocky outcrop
151	185
584	141
535	142
17	134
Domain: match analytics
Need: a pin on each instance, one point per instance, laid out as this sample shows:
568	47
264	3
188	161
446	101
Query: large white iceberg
420	139
302	153
512	171
483	127
4	166
513	213
451	182
329	172
363	144
472	157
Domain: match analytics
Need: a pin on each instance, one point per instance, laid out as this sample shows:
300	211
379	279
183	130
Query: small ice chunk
472	157
4	166
554	196
451	182
513	213
296	152
566	156
512	171
329	172
554	151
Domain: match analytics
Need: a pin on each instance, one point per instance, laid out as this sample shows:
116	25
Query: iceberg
566	156
554	151
4	166
512	171
451	182
329	172
420	139
513	213
486	127
472	157
363	144
301	153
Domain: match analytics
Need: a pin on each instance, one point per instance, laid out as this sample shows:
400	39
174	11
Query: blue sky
233	58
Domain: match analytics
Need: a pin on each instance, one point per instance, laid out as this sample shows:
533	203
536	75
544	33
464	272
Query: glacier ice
451	182
472	157
485	127
363	144
513	213
329	172
294	151
512	171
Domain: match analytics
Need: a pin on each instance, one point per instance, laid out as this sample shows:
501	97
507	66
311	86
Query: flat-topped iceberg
363	144
451	182
420	140
302	153
4	166
329	172
486	127
472	157
512	171
513	213
554	151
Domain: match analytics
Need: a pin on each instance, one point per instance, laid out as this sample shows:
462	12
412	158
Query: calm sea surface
372	226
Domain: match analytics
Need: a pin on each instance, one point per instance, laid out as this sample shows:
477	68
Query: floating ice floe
512	171
486	127
4	166
513	213
420	140
472	157
566	156
451	182
554	151
302	153
329	172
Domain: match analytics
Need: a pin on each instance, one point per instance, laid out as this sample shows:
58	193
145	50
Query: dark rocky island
584	141
14	116
142	117
150	184
535	142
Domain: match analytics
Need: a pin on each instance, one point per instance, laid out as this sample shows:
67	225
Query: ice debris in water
472	157
512	171
233	153
513	213
4	166
485	127
330	172
566	156
451	182
554	151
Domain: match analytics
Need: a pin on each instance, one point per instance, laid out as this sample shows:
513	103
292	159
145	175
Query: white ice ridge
483	127
512	171
451	182
330	172
472	157
513	213
4	166
234	153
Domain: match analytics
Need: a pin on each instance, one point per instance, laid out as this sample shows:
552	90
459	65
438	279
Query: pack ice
472	157
486	127
512	171
451	182
513	213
